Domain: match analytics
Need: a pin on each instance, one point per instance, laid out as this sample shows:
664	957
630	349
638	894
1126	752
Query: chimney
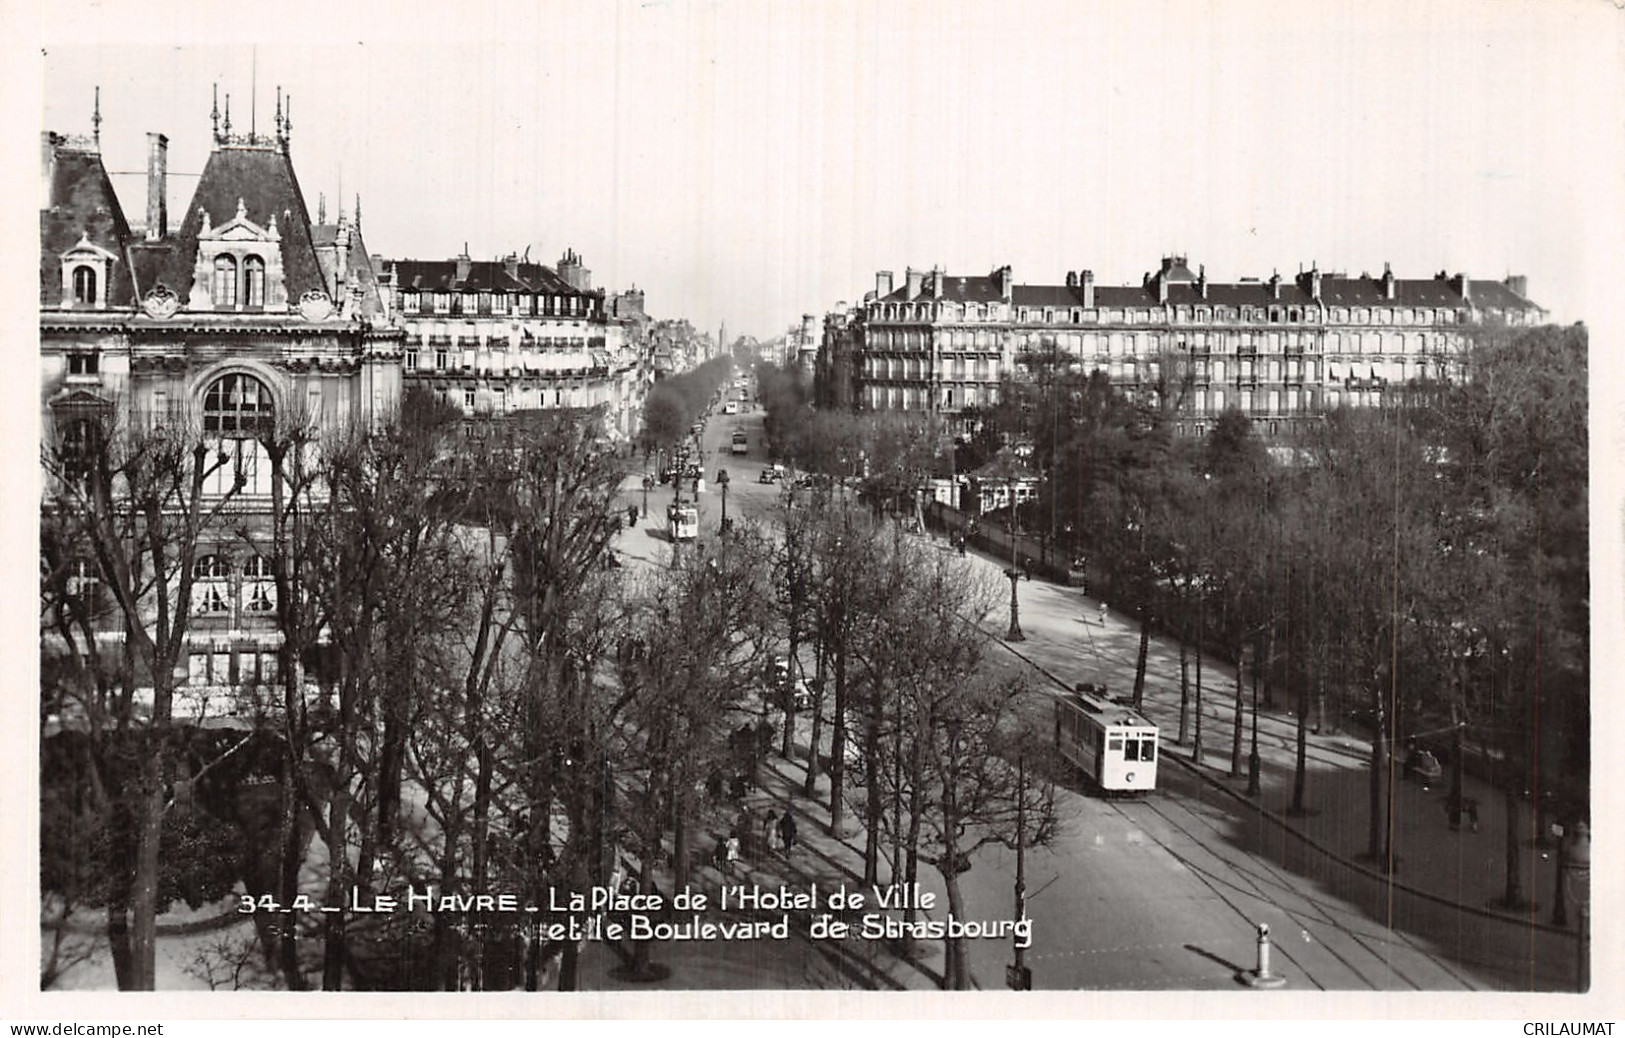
1007	283
510	263
914	279
1518	285
1387	281
937	278
1088	288
464	264
882	283
1071	279
1162	283
1463	287
1314	283
157	186
47	167
1201	281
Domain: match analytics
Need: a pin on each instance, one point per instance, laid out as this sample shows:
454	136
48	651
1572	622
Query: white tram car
1109	743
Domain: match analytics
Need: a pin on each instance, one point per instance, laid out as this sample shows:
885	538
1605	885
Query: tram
1110	744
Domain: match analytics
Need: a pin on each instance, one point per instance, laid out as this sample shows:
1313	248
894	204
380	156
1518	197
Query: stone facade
1278	349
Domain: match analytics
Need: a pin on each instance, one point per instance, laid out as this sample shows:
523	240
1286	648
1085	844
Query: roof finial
321	207
287	121
279	113
96	119
242	210
214	115
356	216
228	115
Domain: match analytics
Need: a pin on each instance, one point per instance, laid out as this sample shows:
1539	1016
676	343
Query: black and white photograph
785	508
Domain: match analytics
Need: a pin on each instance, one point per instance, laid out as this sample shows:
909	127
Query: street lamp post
1014	573
648	484
722	484
1019	977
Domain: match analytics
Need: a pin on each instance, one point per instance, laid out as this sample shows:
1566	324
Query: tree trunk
955	968
1376	827
1139	665
1300	775
1241	711
144	890
1184	691
118	940
337	875
1196	738
680	839
479	838
809	786
837	743
874	806
292	845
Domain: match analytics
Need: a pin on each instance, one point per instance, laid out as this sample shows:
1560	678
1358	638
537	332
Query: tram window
1115	744
1148	749
1131	751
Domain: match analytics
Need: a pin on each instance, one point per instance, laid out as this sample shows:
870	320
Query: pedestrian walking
787	830
719	857
1027	568
1103	614
733	851
631	516
769	824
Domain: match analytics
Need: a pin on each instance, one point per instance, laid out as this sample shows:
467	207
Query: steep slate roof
324	237
483	276
1059	296
1334	291
955	289
82	204
263	178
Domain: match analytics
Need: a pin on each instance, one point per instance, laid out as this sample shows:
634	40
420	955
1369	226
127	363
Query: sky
751	162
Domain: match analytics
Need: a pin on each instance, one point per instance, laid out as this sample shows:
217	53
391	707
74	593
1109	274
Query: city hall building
241	316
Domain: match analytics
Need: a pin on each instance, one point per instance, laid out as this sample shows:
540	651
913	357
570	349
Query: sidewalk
1067	641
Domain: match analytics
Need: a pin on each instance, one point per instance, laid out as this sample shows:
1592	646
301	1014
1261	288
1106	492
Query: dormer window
253	281
83	364
86	273
224	292
84	286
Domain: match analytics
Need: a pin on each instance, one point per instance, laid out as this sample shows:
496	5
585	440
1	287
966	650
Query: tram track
1267	882
1265	879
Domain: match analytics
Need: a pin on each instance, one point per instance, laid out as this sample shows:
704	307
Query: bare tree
138	498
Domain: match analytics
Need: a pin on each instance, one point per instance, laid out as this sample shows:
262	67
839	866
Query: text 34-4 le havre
601	913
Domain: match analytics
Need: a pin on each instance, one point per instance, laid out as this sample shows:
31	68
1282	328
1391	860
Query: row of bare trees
453	688
1414	570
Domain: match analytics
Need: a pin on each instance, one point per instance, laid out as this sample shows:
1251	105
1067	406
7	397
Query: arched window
84	285
253	281
237	410
211	576
259	591
225	281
